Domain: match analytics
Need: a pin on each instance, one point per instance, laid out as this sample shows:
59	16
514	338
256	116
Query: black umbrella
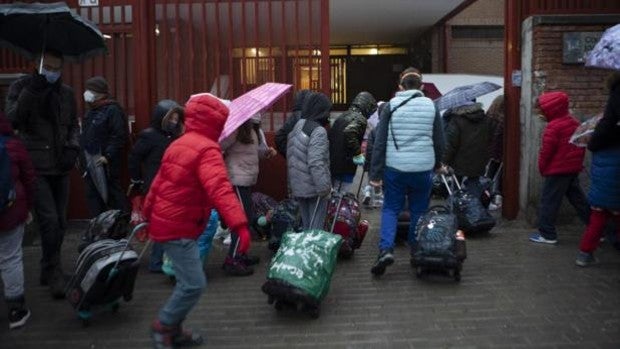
32	28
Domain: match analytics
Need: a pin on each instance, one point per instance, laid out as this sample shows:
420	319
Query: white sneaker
493	207
221	233
227	240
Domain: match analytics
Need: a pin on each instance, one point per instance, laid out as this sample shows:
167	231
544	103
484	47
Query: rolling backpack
286	217
344	219
7	187
440	245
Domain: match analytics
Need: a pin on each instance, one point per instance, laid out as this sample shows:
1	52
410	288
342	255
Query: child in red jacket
191	180
12	221
560	163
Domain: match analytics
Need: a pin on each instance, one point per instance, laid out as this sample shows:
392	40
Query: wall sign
577	45
89	3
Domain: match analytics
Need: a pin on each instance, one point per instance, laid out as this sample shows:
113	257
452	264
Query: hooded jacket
557	156
192	178
308	150
605	147
45	117
145	156
347	133
22	173
281	136
468	136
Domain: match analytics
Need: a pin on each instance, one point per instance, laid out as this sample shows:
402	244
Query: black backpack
7	187
436	235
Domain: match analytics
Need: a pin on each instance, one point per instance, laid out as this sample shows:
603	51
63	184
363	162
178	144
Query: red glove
244	240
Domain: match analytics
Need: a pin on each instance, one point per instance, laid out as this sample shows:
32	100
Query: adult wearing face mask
42	110
104	133
145	157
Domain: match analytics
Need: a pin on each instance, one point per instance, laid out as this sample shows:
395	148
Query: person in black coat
146	154
345	140
282	134
42	111
103	137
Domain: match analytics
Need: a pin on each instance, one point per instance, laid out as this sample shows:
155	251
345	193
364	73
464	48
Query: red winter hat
553	104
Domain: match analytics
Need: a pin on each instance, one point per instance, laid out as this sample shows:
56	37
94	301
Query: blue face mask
50	76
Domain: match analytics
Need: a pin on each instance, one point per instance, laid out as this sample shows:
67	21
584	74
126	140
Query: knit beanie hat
97	84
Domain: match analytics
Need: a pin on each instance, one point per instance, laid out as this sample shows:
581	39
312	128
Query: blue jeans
11	262
416	187
190	278
206	238
157	257
553	191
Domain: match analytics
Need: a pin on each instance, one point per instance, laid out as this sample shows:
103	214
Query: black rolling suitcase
105	272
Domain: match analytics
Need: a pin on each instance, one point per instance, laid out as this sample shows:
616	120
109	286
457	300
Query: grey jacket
308	162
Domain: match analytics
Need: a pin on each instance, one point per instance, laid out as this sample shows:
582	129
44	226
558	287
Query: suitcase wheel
279	305
457	275
419	272
115	306
312	311
85	316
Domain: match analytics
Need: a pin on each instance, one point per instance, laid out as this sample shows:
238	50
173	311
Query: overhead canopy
384	21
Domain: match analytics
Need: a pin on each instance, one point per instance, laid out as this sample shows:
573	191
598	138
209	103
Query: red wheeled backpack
347	223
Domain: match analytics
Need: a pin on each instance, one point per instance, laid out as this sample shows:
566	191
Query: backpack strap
392	113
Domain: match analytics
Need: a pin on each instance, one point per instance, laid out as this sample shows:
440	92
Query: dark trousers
51	199
554	189
116	197
245	195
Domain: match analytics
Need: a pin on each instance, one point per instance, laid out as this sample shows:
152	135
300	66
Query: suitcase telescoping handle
340	197
454	179
316	208
135	230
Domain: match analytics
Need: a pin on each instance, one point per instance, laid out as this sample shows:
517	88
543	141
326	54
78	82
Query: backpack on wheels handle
106	271
300	272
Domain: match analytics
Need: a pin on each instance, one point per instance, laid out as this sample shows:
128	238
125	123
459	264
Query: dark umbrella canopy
31	28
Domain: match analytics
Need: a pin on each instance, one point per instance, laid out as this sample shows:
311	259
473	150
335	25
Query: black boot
18	313
58	284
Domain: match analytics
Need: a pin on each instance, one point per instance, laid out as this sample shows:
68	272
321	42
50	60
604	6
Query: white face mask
89	96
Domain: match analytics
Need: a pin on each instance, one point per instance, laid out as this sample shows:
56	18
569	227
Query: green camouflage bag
306	261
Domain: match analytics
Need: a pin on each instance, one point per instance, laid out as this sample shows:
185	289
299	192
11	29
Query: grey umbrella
31	28
465	94
97	174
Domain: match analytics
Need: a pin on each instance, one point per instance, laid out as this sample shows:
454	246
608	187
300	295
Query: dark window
477	32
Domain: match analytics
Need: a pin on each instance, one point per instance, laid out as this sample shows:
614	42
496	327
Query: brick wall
585	86
473	56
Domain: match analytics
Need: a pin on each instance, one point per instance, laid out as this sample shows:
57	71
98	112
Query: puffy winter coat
281	136
557	156
308	150
47	123
347	133
468	136
22	173
242	160
146	154
605	147
192	178
410	133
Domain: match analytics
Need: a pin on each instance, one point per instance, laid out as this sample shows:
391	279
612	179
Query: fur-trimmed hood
473	112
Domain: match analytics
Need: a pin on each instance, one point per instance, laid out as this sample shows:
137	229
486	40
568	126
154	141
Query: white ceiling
384	21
